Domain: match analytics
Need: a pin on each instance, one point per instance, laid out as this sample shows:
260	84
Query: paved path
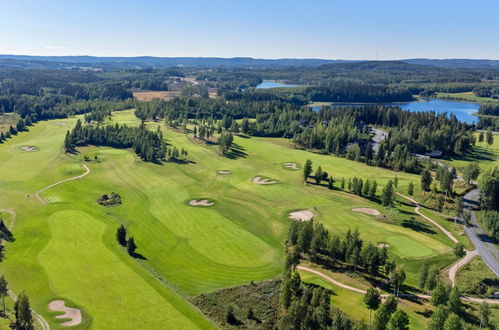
43	323
40	198
442	229
486	249
421	296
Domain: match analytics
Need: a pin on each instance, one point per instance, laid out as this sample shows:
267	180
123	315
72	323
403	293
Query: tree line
149	145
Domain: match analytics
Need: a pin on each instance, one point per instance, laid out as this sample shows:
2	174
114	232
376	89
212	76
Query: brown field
6	120
154	95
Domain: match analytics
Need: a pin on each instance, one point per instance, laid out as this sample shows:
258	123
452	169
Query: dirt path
442	229
14	216
421	296
43	323
40	198
460	263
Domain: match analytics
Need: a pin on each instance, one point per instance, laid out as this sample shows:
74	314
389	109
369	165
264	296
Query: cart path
40	198
361	291
442	229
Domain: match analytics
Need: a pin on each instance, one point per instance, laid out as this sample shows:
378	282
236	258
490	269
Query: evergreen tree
372	300
453	322
410	189
307	169
3	292
318	175
454	302
24	319
439	295
330	183
459	250
399	321
489	137
423	276
121	235
342	183
426	180
131	246
388	195
374	188
438	318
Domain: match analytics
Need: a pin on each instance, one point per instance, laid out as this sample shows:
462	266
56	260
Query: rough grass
262	297
476	276
487	156
186	249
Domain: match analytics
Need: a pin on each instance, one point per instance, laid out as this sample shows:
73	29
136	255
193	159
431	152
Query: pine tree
307	169
131	246
372	300
24	319
121	235
3	291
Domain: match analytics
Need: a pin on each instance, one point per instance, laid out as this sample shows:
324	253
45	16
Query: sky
331	29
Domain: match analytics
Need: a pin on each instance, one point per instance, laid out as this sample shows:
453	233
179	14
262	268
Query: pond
273	84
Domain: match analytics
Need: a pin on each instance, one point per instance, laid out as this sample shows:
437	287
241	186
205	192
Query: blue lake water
273	84
463	110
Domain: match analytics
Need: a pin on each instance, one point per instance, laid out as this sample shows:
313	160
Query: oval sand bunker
291	166
202	202
73	314
303	215
259	180
29	148
224	172
366	210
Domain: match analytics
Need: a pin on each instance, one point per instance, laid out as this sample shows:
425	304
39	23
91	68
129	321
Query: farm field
154	95
187	250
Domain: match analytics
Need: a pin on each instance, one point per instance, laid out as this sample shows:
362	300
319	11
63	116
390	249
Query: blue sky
349	29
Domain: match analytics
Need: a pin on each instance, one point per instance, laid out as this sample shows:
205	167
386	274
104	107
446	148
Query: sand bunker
366	211
202	202
302	215
60	123
291	166
73	314
224	172
383	245
259	180
29	148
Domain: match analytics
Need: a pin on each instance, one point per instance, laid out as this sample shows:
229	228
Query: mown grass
486	156
187	250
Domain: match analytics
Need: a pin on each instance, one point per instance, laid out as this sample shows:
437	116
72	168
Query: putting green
408	247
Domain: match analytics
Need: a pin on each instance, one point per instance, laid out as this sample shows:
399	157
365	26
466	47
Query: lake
463	110
273	84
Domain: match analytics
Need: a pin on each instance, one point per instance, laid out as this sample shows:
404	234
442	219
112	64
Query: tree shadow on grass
138	256
236	151
417	226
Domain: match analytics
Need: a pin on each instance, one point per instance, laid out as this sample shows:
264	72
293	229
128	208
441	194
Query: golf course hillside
198	226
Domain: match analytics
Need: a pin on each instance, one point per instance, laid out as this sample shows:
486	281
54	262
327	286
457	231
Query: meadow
67	249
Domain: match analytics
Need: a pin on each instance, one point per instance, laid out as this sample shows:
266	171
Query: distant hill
64	62
456	63
155	62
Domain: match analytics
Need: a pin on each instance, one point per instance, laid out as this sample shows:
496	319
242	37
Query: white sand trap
383	245
303	215
366	210
69	313
60	123
291	166
29	148
202	202
259	180
224	172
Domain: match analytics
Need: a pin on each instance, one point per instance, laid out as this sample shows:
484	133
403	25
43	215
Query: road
379	135
484	247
